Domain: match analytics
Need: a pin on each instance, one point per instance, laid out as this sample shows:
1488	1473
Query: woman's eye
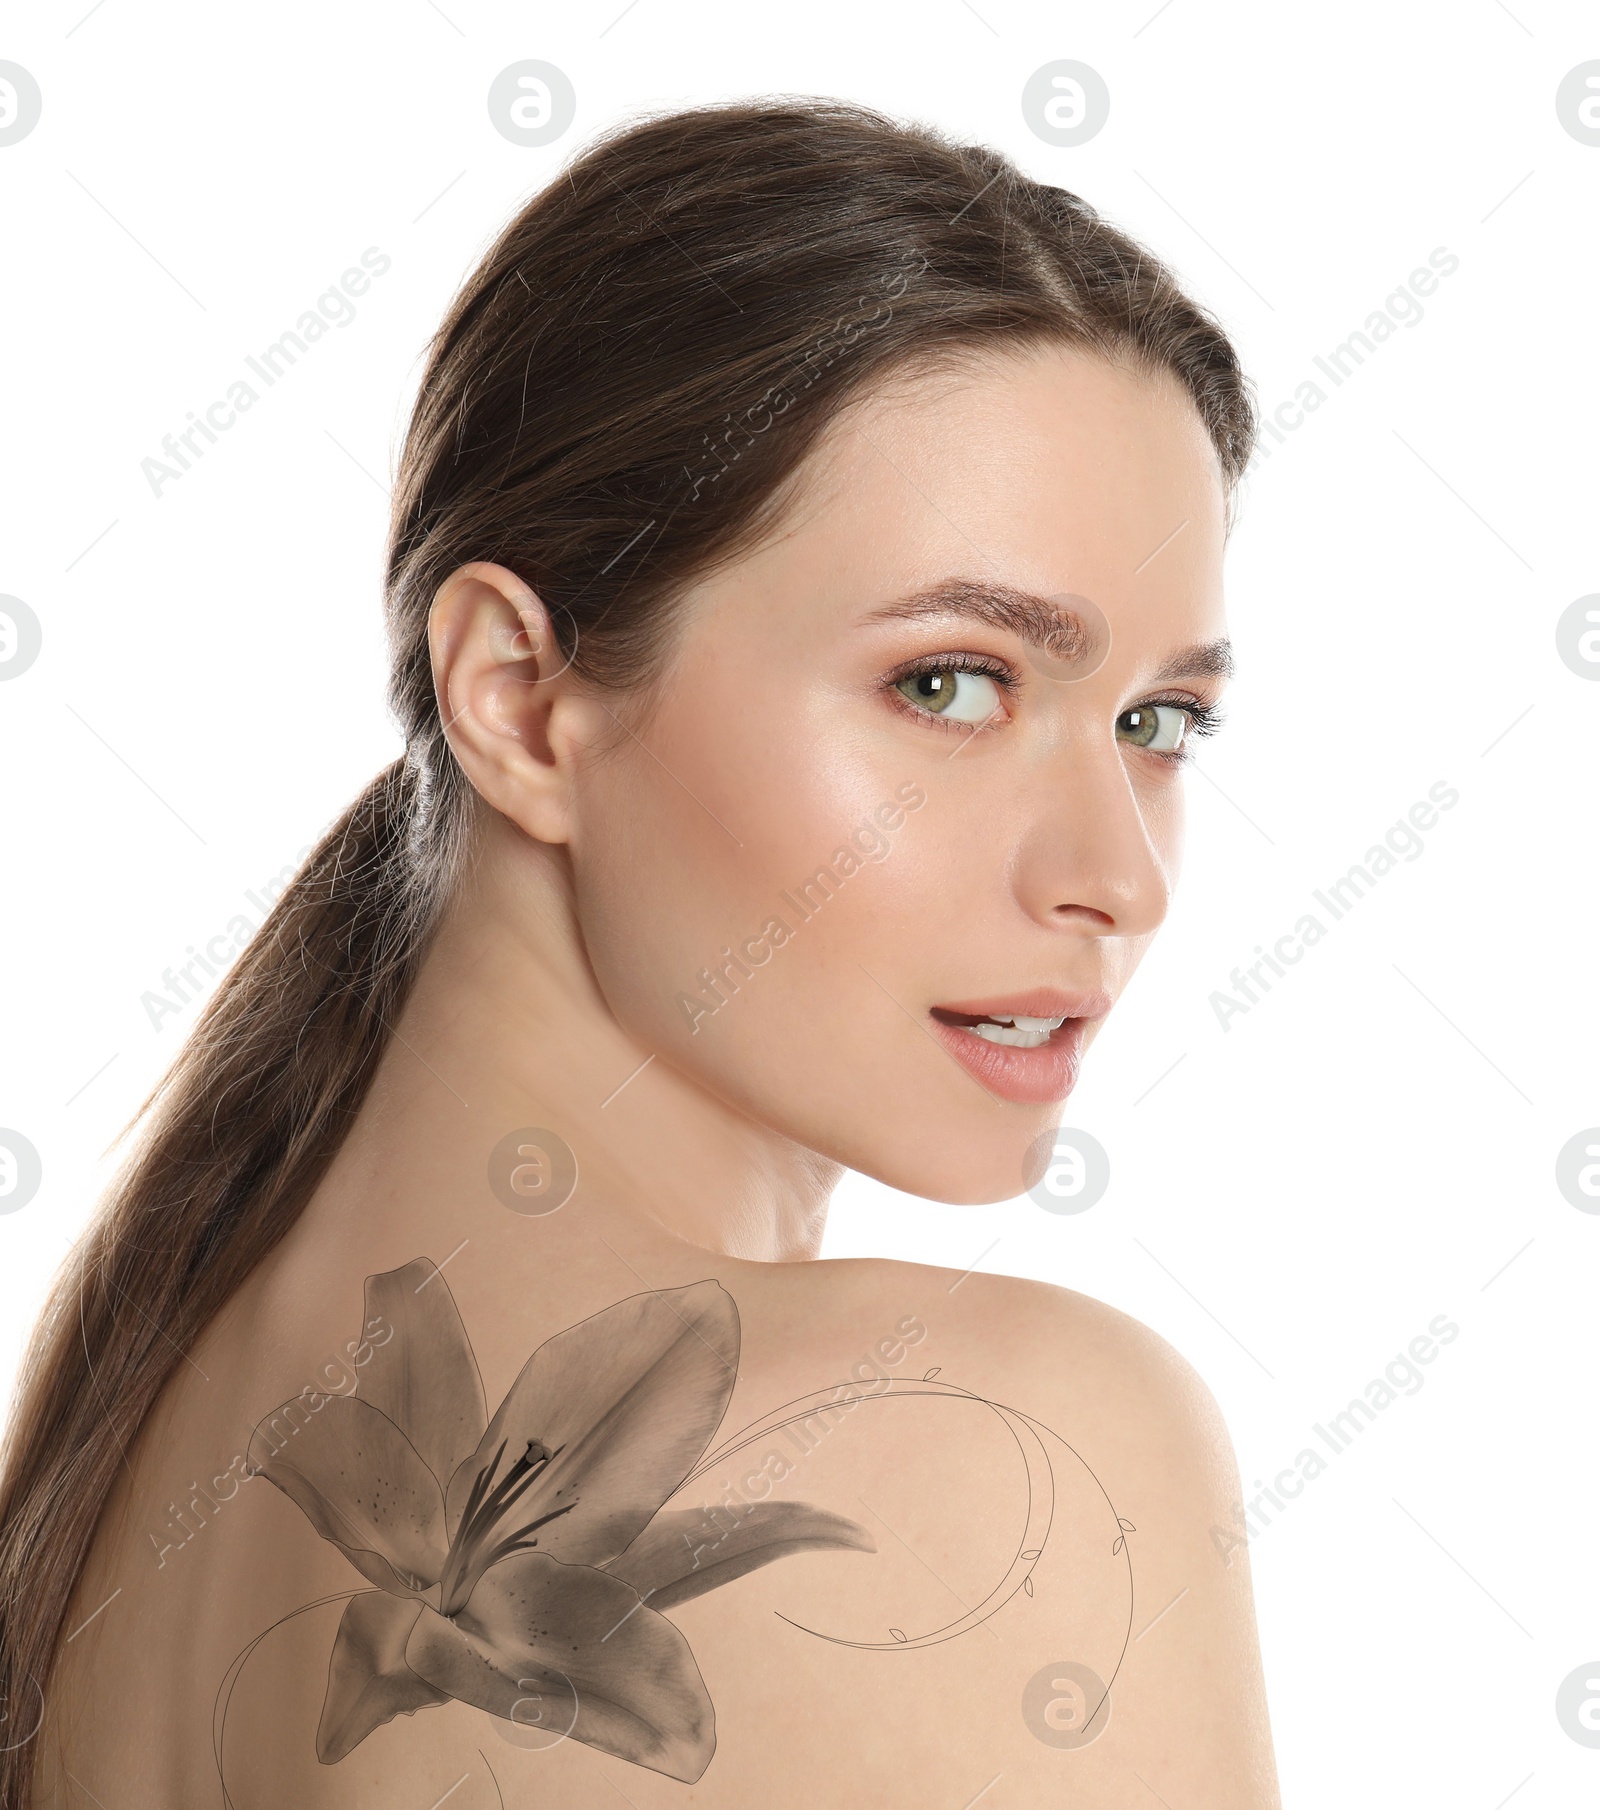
1158	727
961	697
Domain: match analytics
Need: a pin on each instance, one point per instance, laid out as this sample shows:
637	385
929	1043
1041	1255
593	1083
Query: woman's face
895	784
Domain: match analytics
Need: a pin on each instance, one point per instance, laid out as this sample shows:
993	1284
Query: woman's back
1004	1485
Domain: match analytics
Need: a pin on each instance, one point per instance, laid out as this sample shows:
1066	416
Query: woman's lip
1028	1077
1043	1002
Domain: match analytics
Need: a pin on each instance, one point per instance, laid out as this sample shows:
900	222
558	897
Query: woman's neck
506	1028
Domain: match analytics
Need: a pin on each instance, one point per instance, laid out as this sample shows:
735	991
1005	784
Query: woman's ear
506	699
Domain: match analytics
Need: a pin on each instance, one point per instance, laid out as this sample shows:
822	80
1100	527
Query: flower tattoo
530	1553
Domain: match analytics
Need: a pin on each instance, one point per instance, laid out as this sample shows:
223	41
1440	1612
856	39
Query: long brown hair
612	405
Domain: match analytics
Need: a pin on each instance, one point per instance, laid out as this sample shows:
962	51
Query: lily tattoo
528	1557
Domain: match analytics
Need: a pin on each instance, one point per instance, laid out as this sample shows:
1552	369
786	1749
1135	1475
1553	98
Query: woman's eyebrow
1032	618
1212	659
1038	620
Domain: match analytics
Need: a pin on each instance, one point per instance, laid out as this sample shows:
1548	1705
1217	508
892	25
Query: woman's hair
617	401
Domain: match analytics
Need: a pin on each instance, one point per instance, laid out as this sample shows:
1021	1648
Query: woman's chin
987	1173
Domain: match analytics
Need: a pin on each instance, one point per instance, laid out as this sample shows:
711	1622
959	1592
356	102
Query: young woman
805	587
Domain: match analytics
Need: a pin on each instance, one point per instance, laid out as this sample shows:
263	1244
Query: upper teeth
1017	1030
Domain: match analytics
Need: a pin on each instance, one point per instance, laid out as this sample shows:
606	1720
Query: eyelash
1204	719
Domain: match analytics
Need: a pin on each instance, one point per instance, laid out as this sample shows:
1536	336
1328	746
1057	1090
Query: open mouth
1026	1048
1015	1029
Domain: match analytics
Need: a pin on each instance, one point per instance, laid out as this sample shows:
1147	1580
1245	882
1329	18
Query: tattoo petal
368	1678
494	1590
361	1484
534	1627
423	1376
685	1552
624	1403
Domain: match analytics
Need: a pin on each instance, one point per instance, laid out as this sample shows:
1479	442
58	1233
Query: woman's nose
1097	853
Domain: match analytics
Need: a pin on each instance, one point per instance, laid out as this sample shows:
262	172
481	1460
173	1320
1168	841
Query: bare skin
626	843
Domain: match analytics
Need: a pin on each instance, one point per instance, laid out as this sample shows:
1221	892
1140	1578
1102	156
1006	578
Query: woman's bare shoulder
1121	1425
1054	1344
630	1542
1122	1420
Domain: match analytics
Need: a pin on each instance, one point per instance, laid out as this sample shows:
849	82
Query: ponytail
240	1131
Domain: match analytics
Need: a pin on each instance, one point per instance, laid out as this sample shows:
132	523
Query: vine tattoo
529	1558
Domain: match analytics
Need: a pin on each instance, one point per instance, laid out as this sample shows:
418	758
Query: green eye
1158	727
961	697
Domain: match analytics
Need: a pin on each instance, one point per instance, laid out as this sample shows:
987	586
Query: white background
1293	1199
